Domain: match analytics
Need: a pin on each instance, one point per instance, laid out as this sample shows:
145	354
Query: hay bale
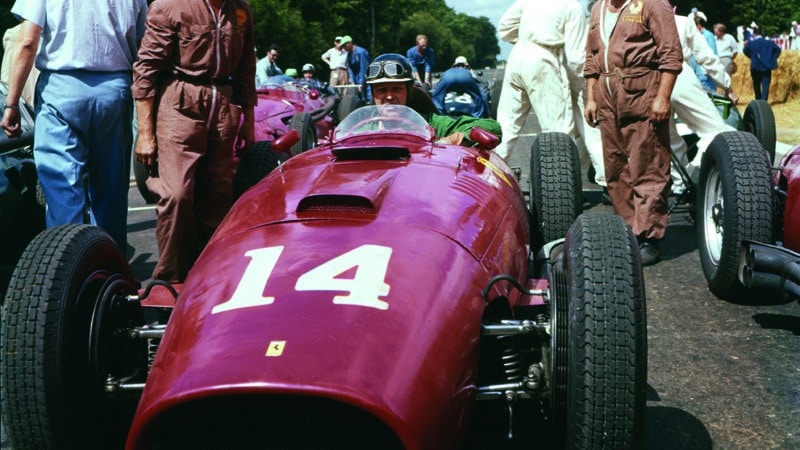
785	85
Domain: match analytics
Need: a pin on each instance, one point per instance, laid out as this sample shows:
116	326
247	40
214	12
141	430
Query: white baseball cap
461	60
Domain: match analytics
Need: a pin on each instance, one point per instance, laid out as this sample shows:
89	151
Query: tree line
306	28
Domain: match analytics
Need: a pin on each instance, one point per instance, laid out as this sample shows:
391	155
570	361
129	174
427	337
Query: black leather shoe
605	198
649	252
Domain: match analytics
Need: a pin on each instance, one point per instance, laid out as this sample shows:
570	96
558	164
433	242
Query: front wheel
65	329
257	163
599	338
760	121
734	204
304	124
555	176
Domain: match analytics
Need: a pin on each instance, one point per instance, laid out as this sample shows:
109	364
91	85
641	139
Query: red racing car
379	291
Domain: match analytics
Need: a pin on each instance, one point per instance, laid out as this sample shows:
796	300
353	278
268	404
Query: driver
459	79
391	80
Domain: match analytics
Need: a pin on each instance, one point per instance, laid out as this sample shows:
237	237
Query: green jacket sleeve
446	125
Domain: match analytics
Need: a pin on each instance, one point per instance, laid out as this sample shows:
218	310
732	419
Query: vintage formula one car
379	291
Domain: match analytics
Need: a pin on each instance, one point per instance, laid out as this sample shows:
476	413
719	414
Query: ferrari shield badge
275	348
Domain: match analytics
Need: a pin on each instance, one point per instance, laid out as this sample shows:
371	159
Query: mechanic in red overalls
633	56
196	63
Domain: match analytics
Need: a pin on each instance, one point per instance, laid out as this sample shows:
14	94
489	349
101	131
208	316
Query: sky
492	9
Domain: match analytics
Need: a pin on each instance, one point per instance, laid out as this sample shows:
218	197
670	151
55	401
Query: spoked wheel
66	329
304	124
734	204
257	163
760	121
599	339
555	199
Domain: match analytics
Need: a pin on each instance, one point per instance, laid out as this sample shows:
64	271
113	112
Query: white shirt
727	46
94	35
336	59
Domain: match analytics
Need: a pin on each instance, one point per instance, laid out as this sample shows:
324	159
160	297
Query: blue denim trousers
82	147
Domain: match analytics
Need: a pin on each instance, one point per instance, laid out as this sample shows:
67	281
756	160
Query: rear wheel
65	329
555	199
760	121
304	124
257	163
734	204
599	337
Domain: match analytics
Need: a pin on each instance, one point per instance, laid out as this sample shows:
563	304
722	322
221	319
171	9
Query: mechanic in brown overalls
633	56
196	63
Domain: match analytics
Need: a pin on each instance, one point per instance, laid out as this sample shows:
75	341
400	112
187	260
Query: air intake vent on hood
371	153
338	204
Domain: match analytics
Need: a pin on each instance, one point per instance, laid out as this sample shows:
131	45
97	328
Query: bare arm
146	148
590	109
21	63
660	110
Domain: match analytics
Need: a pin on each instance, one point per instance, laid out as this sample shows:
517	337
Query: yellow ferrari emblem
636	7
275	348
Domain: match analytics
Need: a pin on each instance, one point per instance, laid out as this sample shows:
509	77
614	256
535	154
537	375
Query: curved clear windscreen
392	119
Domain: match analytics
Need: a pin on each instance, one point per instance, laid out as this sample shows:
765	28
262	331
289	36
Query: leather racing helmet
390	68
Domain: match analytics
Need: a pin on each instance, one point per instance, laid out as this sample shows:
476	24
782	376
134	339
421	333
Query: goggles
391	69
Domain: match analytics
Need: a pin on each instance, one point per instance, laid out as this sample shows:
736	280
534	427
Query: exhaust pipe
770	266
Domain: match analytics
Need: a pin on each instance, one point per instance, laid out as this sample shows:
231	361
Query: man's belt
203	81
632	72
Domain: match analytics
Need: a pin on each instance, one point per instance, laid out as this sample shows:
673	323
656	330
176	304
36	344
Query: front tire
556	189
734	204
64	329
304	124
760	121
257	163
600	390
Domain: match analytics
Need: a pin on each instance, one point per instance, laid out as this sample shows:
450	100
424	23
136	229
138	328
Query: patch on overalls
635	15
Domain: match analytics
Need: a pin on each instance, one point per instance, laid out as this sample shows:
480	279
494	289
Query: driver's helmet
390	68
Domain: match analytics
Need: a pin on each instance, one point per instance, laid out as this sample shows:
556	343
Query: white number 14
364	289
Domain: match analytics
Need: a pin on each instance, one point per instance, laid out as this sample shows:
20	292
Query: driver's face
390	93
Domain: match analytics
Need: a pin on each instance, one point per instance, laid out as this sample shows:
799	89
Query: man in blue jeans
84	106
763	54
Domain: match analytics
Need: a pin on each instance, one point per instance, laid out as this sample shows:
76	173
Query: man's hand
453	139
247	136
732	95
660	109
10	123
146	149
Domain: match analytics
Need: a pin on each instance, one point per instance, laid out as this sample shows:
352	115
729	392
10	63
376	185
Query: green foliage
305	28
773	16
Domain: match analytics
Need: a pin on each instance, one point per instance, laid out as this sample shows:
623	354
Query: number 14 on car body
371	263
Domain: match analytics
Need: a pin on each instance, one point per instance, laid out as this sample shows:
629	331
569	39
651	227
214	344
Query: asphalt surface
720	375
